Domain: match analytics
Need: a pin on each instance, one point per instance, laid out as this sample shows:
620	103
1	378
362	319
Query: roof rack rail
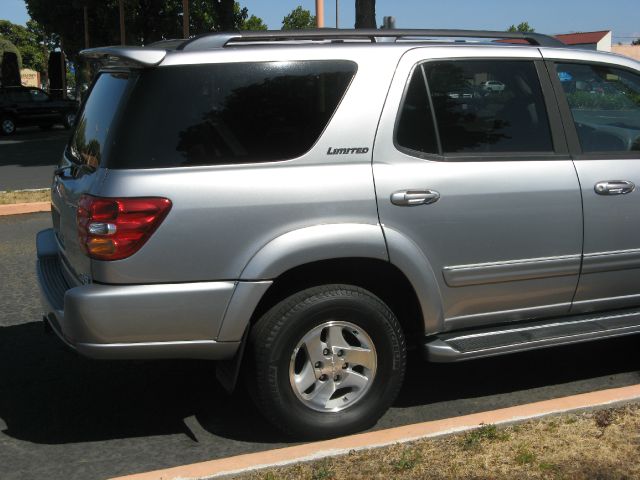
221	40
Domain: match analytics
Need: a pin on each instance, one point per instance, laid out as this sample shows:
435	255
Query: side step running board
466	345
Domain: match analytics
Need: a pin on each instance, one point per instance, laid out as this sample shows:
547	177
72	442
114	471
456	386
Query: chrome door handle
614	187
411	198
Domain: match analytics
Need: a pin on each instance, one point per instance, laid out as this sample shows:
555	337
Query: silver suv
304	207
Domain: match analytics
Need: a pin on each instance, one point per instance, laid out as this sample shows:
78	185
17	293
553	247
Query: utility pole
122	42
389	23
86	27
337	8
185	18
320	13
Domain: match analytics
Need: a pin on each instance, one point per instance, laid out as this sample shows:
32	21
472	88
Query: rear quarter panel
223	215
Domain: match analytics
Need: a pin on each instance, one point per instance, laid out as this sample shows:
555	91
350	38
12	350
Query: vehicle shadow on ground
50	395
525	372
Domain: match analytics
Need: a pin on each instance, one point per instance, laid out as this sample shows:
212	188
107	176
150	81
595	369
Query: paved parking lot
65	417
28	157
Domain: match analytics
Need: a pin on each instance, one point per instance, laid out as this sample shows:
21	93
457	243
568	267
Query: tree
66	21
48	42
522	27
253	23
226	14
636	42
366	14
34	54
7	46
242	20
298	19
146	21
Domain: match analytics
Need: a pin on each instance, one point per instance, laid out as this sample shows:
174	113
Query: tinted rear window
89	140
228	113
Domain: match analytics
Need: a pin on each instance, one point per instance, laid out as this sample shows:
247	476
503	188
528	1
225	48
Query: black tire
7	126
276	335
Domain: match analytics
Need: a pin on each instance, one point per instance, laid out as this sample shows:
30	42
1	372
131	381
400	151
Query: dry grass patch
602	444
25	196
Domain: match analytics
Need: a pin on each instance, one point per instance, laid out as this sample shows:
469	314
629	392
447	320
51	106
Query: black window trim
560	148
573	141
409	151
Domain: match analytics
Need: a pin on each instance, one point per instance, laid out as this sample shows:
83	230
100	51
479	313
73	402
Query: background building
600	40
587	40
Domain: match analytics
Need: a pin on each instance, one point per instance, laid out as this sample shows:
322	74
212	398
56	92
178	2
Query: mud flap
227	371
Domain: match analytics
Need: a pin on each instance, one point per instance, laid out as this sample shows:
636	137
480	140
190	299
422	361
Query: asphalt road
28	157
66	417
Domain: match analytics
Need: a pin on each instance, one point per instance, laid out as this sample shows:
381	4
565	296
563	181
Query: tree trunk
226	18
366	14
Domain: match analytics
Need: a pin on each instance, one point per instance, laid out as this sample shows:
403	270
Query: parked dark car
26	106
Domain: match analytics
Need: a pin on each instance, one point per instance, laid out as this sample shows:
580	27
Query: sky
546	16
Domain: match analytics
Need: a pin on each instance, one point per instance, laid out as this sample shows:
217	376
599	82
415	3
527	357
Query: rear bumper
134	321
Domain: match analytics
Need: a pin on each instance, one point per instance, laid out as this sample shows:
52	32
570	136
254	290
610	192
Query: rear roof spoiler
133	56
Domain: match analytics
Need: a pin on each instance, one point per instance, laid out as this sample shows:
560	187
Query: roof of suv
154	53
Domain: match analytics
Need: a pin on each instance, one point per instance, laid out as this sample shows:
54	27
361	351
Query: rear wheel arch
379	277
312	244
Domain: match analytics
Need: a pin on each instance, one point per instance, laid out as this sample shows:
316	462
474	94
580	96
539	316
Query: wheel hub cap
333	366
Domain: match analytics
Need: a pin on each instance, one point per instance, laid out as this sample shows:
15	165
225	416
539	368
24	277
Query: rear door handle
614	187
412	198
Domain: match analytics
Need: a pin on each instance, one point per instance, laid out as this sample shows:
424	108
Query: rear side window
89	141
229	113
480	106
605	104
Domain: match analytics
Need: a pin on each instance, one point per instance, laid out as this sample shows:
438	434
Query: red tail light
116	228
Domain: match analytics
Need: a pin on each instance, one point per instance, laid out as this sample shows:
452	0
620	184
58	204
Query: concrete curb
341	446
19	208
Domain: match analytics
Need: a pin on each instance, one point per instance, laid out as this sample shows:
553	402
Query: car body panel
503	242
491	217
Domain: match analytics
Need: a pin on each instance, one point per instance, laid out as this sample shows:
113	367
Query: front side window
479	106
605	105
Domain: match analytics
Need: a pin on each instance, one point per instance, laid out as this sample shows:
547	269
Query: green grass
10	197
